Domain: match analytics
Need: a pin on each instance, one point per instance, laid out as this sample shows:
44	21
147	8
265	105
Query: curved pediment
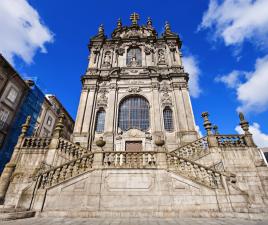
134	31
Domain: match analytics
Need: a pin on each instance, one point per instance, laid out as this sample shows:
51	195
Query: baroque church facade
134	151
135	91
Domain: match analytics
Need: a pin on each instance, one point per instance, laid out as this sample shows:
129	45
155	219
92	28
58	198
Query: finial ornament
149	22
243	123
167	27
134	17
101	30
59	126
25	126
207	123
119	24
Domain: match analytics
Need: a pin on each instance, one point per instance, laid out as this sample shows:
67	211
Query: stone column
88	120
109	128
188	109
81	111
155	109
180	109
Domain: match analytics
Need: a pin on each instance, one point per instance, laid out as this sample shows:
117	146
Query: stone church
134	151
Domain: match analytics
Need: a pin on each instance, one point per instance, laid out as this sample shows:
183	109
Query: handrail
194	149
65	171
195	171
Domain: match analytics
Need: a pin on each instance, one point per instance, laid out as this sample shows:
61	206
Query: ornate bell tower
135	91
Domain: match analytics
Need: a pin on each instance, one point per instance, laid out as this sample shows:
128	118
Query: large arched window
134	113
134	57
100	120
168	119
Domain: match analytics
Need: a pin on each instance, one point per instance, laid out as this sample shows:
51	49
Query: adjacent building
12	92
20	98
48	116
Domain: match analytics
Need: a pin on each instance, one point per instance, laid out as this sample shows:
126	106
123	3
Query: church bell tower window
168	119
134	113
134	57
100	121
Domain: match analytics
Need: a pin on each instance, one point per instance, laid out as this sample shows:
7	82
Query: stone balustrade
135	160
194	171
74	151
65	171
129	160
231	140
36	142
193	150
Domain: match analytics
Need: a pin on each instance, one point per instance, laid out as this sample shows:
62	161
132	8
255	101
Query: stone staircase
12	213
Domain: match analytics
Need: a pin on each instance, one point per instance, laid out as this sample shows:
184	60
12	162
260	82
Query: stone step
15	213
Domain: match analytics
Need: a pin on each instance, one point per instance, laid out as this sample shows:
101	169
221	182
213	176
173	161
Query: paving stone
108	221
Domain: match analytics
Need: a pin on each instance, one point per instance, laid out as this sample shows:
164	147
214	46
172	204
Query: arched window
100	120
134	113
168	119
134	57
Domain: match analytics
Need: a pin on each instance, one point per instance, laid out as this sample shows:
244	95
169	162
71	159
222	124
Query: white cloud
252	92
22	31
260	138
231	80
237	20
191	67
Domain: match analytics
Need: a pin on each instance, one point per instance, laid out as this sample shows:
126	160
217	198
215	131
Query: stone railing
36	142
193	150
194	171
231	140
135	160
65	171
73	151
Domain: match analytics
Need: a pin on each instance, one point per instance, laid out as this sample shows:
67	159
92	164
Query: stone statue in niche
161	56
107	59
133	61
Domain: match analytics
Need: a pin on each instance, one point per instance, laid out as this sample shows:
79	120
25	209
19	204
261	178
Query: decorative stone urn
100	142
159	142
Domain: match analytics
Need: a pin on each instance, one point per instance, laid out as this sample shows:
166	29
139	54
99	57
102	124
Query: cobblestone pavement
106	221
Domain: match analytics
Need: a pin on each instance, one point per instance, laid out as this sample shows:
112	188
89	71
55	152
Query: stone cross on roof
134	17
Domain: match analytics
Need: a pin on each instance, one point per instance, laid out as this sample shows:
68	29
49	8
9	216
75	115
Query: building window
12	95
134	57
46	133
3	117
168	119
49	121
134	113
100	121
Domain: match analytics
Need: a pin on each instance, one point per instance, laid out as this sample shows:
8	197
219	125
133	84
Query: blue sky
224	47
